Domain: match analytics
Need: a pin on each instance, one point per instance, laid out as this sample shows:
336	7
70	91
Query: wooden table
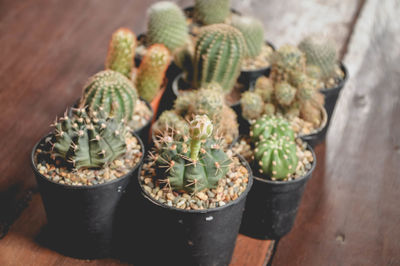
349	214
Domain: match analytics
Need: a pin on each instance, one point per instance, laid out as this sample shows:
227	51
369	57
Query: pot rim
172	208
342	82
85	187
307	174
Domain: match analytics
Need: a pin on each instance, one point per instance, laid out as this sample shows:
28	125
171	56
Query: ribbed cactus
170	121
320	52
253	32
151	72
121	52
212	11
88	141
285	60
194	164
275	147
112	92
252	105
167	25
218	56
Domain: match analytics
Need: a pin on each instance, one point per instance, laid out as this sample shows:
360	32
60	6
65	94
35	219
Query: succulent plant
184	101
212	11
286	60
167	25
170	121
121	52
194	163
209	102
265	88
218	55
275	147
253	32
112	92
284	93
320	52
151	72
88	141
252	105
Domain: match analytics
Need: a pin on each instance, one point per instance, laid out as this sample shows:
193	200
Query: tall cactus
151	72
253	32
88	141
194	164
167	25
275	147
212	11
112	92
121	52
218	56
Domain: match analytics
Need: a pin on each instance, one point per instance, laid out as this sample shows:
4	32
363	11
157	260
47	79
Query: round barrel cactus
212	11
252	105
253	32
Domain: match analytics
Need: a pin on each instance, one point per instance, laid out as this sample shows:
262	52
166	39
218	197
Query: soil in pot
81	204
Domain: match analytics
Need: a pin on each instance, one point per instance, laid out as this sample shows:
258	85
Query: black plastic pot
250	76
332	94
190	237
81	219
271	206
318	136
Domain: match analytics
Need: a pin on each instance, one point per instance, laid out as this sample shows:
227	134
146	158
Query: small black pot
250	76
332	94
191	237
319	136
81	219
271	206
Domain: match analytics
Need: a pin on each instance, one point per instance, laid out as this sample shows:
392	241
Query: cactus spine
193	164
167	25
121	52
170	121
212	11
88	142
218	56
151	71
253	32
275	147
112	92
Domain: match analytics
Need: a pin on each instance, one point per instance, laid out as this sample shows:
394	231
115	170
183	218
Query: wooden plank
350	213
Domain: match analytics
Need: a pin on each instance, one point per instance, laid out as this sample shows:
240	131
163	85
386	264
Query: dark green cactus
194	164
252	105
320	52
121	52
88	142
219	52
112	92
253	32
212	11
167	25
275	147
151	72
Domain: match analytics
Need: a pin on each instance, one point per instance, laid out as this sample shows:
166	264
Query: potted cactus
194	192
323	64
258	58
208	101
83	168
290	92
282	165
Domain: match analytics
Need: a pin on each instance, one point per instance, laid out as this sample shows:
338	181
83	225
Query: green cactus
252	105
218	56
184	101
306	86
208	101
269	109
167	25
194	164
88	142
265	88
212	11
112	92
170	121
275	147
253	32
151	72
121	52
320	52
284	93
286	60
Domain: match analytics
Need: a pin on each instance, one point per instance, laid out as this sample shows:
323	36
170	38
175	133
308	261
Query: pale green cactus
212	11
253	32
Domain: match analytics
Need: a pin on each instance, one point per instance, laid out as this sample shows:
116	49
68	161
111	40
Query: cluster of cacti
218	55
167	25
212	11
253	32
194	163
88	141
321	56
121	52
289	90
112	92
275	147
151	72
